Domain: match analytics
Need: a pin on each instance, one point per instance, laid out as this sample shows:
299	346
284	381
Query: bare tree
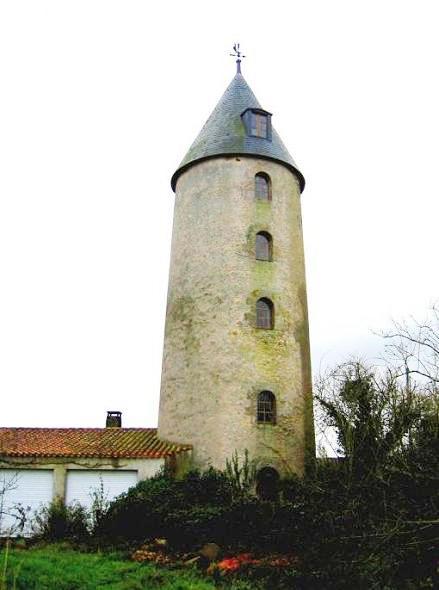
16	513
6	485
413	346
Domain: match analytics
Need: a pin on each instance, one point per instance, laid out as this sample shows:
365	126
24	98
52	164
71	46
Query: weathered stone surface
215	360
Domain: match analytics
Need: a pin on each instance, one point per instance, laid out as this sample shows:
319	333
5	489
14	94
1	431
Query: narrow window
266	408
264	314
263	246
262	187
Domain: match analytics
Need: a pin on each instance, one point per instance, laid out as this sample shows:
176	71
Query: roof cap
224	133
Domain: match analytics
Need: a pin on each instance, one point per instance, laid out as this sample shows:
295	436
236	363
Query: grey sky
99	101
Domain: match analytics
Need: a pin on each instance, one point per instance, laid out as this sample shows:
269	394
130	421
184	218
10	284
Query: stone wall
215	360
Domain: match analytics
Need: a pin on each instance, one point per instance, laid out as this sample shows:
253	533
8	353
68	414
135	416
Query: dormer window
257	123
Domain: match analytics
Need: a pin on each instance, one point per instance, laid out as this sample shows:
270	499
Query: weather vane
237	53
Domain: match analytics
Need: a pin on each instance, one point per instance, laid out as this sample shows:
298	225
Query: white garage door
30	488
82	484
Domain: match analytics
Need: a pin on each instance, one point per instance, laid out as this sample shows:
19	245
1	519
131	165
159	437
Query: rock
206	556
210	551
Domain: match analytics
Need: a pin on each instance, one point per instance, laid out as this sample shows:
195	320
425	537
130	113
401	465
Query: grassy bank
61	568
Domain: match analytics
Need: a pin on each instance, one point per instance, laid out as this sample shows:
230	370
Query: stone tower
236	365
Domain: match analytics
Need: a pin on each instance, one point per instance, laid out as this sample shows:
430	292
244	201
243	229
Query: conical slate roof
224	133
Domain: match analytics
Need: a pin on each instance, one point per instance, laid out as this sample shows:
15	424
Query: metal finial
237	53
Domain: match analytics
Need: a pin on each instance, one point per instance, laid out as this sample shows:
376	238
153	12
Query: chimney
114	419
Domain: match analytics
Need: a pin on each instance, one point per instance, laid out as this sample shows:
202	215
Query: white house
39	464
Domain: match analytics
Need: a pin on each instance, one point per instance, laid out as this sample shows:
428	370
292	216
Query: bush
59	521
184	511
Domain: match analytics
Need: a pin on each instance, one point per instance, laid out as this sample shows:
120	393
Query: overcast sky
99	101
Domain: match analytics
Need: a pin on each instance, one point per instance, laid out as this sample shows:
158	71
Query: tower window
264	314
263	246
262	187
266	408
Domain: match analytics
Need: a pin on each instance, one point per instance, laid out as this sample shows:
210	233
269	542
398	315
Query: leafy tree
373	416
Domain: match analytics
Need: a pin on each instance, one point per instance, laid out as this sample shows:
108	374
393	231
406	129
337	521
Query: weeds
4	572
242	477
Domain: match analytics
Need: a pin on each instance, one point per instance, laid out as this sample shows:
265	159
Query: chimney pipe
114	419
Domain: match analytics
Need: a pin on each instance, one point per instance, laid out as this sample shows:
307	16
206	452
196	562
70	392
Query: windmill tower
236	366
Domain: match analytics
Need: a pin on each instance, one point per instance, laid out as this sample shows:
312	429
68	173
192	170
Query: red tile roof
86	442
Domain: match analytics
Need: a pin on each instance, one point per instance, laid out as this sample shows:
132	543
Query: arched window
267	484
262	187
264	313
263	246
266	408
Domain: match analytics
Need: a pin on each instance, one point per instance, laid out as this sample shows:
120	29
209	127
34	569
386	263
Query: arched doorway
267	484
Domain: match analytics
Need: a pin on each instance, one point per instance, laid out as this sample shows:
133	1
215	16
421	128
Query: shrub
59	521
183	511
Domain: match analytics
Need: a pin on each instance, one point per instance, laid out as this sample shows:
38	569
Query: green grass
60	568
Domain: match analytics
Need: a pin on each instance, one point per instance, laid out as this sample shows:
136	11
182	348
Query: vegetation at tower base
367	519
